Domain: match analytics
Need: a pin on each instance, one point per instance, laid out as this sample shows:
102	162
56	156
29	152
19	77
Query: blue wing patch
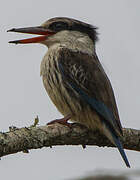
97	105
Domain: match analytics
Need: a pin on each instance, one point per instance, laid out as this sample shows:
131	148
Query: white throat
71	39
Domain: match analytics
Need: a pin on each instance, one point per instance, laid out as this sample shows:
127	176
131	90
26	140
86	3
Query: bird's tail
116	141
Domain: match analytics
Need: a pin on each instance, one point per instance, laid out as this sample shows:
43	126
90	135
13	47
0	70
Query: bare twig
24	139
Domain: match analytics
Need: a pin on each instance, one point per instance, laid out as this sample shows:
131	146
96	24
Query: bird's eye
58	26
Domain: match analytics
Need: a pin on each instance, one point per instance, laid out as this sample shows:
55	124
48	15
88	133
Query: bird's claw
63	121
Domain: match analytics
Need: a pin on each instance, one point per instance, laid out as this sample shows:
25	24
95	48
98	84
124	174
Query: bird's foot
63	121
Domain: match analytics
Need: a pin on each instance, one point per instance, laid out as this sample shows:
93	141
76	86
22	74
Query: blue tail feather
114	138
116	141
121	150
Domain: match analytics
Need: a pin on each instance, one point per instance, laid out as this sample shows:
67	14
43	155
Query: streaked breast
64	97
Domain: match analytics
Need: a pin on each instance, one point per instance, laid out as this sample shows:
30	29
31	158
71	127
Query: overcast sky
23	96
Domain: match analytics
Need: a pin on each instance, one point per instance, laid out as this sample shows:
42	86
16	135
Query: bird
74	77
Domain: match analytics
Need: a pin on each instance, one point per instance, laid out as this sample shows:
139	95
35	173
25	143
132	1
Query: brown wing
87	74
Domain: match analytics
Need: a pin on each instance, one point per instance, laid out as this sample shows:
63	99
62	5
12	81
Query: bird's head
56	30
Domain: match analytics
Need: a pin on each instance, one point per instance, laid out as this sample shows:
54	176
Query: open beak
32	30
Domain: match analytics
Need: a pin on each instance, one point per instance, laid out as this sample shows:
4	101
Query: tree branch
24	139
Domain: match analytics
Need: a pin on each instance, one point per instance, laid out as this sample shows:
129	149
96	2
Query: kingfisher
74	77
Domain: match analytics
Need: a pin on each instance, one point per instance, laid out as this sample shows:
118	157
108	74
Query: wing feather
85	74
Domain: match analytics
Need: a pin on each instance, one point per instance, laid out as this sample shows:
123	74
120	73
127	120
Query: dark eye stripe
58	26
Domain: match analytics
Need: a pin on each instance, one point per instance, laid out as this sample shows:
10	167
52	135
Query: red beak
32	30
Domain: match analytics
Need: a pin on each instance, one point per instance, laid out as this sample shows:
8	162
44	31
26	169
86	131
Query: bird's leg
63	121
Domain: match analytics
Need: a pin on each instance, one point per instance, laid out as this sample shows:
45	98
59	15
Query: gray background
22	95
